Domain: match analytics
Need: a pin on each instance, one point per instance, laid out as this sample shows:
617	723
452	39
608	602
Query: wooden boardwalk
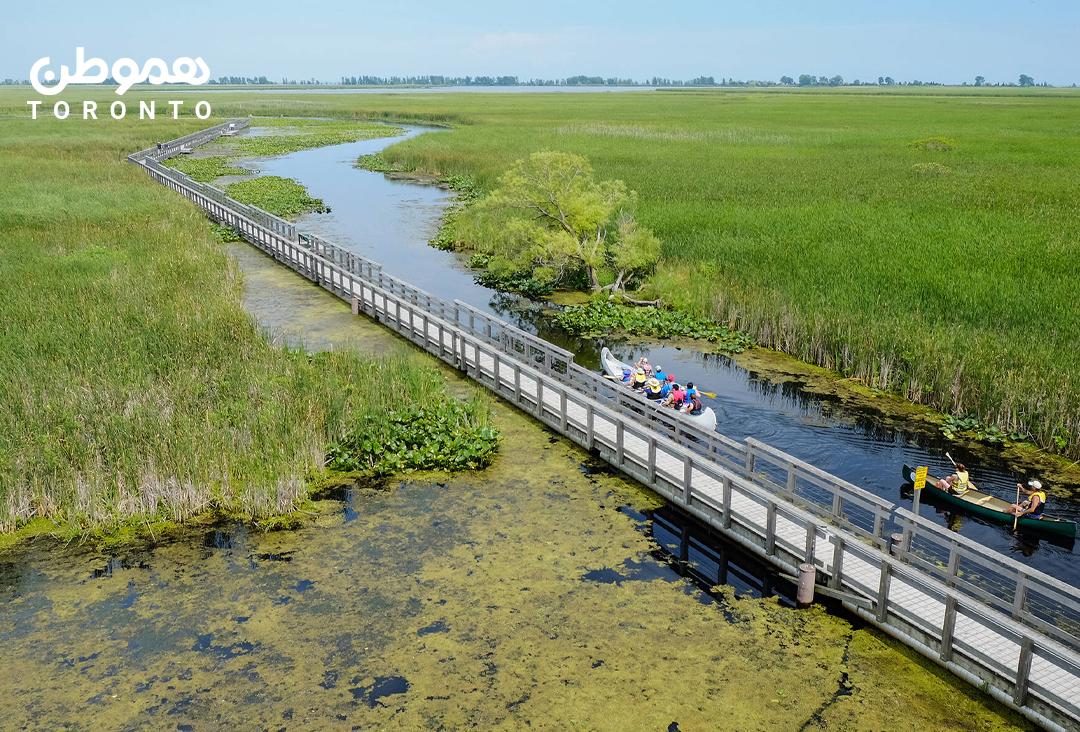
982	615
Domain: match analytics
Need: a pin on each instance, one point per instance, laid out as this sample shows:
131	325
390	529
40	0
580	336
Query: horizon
947	44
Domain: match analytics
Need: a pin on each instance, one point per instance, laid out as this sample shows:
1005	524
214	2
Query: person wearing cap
1034	505
628	376
658	372
652	390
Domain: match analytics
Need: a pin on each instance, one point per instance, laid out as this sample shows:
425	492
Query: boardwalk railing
985	617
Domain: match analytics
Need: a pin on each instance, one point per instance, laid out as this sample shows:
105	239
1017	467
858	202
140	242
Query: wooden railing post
618	443
837	562
725	516
770	529
1020	595
811	540
954	564
687	479
590	417
883	591
1023	670
652	459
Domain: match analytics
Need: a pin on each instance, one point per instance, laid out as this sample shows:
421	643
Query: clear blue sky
941	40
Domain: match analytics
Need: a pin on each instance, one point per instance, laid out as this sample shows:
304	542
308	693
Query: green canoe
990	508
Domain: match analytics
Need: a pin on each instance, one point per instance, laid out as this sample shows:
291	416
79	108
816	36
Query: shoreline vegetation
138	392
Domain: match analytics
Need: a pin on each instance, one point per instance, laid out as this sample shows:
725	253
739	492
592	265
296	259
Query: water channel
391	220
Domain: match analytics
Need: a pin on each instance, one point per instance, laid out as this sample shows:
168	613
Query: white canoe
614	367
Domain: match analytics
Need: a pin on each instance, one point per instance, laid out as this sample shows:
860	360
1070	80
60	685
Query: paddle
1016	516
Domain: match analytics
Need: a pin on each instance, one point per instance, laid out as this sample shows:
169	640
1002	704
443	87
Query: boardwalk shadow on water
533	594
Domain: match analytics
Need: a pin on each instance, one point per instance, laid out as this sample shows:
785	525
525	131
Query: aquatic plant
601	317
205	170
378	164
282	197
521	281
972	426
443	434
225	234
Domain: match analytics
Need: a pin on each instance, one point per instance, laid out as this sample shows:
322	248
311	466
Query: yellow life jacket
1042	503
960	487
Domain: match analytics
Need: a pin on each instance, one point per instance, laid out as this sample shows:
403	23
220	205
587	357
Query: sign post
920	483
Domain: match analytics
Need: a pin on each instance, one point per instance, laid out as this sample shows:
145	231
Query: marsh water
392	219
542	593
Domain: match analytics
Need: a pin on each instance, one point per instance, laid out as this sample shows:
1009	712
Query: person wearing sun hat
1032	507
639	379
652	390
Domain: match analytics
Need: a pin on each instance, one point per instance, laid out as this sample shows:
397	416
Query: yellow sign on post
920	483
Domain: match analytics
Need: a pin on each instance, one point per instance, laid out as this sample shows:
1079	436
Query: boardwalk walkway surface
990	620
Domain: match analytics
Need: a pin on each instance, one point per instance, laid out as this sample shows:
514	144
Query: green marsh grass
818	221
132	384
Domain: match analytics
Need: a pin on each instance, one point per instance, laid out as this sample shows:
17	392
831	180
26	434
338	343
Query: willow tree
551	216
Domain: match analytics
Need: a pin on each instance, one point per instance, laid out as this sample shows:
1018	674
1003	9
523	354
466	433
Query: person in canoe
643	364
1033	506
958	483
692	402
658	372
653	390
675	397
666	385
639	379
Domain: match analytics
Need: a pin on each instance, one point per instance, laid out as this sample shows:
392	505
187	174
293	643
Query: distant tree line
808	80
582	80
